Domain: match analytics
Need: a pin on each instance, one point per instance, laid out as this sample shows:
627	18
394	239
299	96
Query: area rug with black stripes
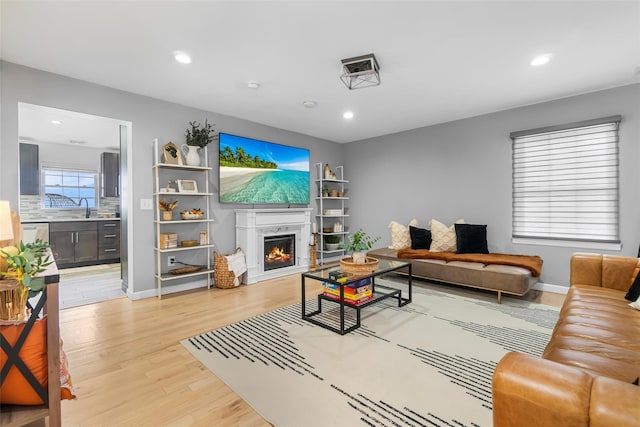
428	363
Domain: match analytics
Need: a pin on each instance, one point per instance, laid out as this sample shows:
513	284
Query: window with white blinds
565	182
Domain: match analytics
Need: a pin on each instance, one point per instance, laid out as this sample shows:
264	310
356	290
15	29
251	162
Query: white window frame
43	186
565	185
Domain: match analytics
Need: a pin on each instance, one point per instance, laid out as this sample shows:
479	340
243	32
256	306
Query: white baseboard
166	290
548	287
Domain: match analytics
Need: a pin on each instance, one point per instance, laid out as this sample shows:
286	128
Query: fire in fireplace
279	251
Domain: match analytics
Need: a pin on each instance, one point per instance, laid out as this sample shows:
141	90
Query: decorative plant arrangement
24	262
358	262
199	135
166	205
331	242
167	208
360	241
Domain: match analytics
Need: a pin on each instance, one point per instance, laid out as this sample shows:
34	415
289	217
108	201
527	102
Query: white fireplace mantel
252	225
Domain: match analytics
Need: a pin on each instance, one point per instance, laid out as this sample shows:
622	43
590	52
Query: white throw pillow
400	237
443	238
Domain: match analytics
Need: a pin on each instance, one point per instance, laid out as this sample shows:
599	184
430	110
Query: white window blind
565	182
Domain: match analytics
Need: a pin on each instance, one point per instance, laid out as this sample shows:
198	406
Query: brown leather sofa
586	372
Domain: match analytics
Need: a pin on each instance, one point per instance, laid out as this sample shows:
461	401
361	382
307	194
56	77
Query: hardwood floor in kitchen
129	368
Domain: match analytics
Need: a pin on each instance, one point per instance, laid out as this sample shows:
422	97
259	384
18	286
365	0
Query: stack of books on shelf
355	294
168	240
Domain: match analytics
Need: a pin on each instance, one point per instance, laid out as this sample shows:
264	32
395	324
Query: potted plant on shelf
331	243
357	244
167	208
198	136
24	261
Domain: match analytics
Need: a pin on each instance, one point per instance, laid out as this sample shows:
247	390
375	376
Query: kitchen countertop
31	221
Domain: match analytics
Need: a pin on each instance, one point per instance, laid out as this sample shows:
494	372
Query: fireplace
283	233
279	251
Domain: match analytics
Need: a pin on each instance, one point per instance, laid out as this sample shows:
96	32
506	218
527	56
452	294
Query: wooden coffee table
380	292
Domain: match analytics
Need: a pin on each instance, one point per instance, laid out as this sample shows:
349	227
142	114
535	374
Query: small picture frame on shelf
187	186
171	154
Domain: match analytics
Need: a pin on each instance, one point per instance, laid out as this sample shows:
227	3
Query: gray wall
453	170
151	118
462	169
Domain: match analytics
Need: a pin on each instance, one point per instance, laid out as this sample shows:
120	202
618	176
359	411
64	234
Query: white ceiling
439	60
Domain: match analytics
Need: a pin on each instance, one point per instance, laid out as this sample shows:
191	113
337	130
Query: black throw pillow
634	290
420	238
471	239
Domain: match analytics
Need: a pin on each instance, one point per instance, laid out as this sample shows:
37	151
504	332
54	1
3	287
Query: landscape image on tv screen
261	172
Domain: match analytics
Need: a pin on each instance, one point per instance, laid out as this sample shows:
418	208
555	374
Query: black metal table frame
377	297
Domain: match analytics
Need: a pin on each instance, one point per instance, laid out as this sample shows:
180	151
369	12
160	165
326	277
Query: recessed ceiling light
56	122
541	60
348	115
182	57
310	104
253	85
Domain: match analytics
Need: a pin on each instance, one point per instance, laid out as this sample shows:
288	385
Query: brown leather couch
586	373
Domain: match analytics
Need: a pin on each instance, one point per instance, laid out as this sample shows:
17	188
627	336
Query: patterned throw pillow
400	237
443	238
16	390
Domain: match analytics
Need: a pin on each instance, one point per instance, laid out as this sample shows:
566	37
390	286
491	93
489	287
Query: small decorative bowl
188	243
191	216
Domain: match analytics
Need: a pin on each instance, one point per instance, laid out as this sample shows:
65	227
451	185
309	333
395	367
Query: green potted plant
331	243
24	262
197	136
357	244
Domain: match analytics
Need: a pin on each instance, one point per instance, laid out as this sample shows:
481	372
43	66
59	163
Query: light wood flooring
129	368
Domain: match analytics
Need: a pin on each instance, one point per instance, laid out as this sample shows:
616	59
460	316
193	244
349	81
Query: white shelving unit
327	219
200	254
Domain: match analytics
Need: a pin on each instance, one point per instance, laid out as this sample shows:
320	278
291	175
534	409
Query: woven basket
347	264
222	276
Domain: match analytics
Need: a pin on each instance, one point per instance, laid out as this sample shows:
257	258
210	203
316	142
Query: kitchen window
565	184
64	188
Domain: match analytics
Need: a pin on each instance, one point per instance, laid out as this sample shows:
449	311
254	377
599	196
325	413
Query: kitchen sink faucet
87	214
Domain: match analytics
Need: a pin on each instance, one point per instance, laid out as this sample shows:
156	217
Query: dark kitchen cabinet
110	175
109	240
74	243
29	169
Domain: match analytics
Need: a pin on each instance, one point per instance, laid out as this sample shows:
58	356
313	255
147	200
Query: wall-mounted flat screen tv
261	172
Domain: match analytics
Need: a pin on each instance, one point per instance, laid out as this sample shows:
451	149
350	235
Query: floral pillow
400	237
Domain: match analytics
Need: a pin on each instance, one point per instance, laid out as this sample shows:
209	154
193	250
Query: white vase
191	154
359	257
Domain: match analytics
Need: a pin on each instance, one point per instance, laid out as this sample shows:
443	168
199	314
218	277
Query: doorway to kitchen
67	142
